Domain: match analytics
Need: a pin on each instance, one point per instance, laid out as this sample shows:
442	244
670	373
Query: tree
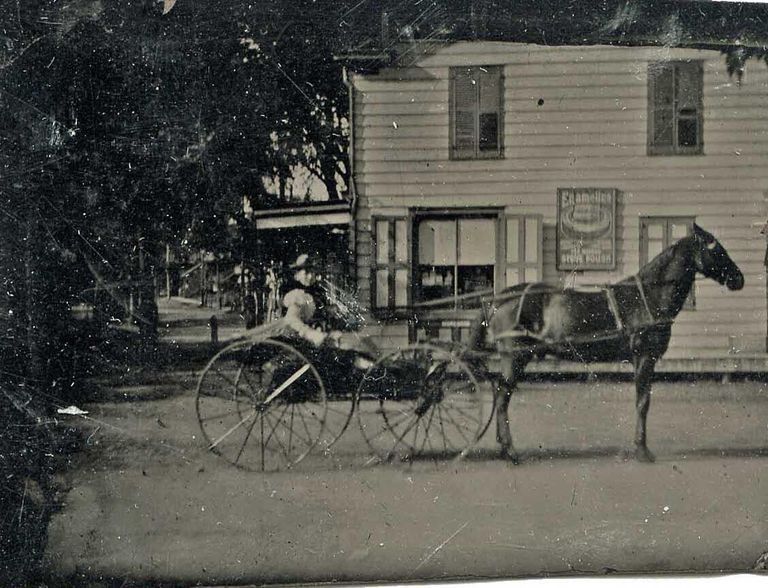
313	131
163	127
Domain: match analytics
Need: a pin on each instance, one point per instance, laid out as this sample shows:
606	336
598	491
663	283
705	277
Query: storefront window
455	256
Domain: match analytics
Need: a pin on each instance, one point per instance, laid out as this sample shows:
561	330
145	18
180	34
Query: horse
628	321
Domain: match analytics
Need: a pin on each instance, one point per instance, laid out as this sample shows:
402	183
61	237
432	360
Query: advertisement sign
586	228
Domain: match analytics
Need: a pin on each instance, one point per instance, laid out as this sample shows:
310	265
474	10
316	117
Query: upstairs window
675	121
476	112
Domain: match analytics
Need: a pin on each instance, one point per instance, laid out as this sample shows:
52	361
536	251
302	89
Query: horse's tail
477	333
478	330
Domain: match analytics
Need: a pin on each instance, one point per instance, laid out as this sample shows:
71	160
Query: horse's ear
698	231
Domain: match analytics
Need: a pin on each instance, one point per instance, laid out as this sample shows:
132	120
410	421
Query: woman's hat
302	262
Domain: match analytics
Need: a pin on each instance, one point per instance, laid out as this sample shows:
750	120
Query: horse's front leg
503	391
644	368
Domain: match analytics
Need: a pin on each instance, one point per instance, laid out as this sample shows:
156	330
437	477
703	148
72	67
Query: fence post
214	323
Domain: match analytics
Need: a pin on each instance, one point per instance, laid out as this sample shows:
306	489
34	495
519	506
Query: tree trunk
167	271
131	300
147	311
202	278
218	284
328	170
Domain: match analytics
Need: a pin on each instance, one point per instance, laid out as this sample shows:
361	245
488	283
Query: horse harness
608	290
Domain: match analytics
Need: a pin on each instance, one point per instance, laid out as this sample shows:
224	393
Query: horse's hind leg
505	385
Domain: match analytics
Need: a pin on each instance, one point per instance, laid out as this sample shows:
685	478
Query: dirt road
149	503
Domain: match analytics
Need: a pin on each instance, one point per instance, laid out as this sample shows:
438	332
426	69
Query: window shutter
688	96
514	231
533	246
464	95
401	264
661	77
490	109
390	279
524	243
380	280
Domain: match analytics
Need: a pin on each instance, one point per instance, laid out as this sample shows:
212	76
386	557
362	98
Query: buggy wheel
421	401
261	406
338	417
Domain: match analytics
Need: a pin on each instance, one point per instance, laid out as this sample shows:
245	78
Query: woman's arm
299	308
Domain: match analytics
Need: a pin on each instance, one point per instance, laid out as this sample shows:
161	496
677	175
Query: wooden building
469	157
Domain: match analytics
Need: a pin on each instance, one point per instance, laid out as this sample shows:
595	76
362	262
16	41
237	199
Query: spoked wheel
338	417
421	401
261	406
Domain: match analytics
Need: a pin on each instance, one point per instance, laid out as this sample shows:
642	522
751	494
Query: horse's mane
662	259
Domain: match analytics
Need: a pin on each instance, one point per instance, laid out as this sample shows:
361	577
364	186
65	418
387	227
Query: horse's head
712	260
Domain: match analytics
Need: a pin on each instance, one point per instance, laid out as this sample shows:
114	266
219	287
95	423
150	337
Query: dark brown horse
627	321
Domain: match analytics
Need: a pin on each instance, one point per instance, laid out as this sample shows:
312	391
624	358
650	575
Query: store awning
316	214
289	222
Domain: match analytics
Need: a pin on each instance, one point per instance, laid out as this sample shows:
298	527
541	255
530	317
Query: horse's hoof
508	455
644	455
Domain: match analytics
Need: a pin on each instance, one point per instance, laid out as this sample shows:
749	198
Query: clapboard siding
697	190
632	179
577	117
550	150
525	160
615	167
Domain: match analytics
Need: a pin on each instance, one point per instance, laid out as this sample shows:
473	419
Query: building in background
479	164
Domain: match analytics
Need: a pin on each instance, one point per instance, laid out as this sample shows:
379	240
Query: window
657	233
675	121
389	284
435	259
455	256
476	112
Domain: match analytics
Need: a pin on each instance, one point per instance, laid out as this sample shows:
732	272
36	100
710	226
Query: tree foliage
127	128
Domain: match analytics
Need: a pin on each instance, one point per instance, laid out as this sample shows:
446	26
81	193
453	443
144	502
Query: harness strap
515	334
522	301
614	306
644	299
621	329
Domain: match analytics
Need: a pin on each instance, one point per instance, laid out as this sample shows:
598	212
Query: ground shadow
621	453
116	364
707	452
564	453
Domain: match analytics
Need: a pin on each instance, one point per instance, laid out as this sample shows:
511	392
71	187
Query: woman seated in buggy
322	324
